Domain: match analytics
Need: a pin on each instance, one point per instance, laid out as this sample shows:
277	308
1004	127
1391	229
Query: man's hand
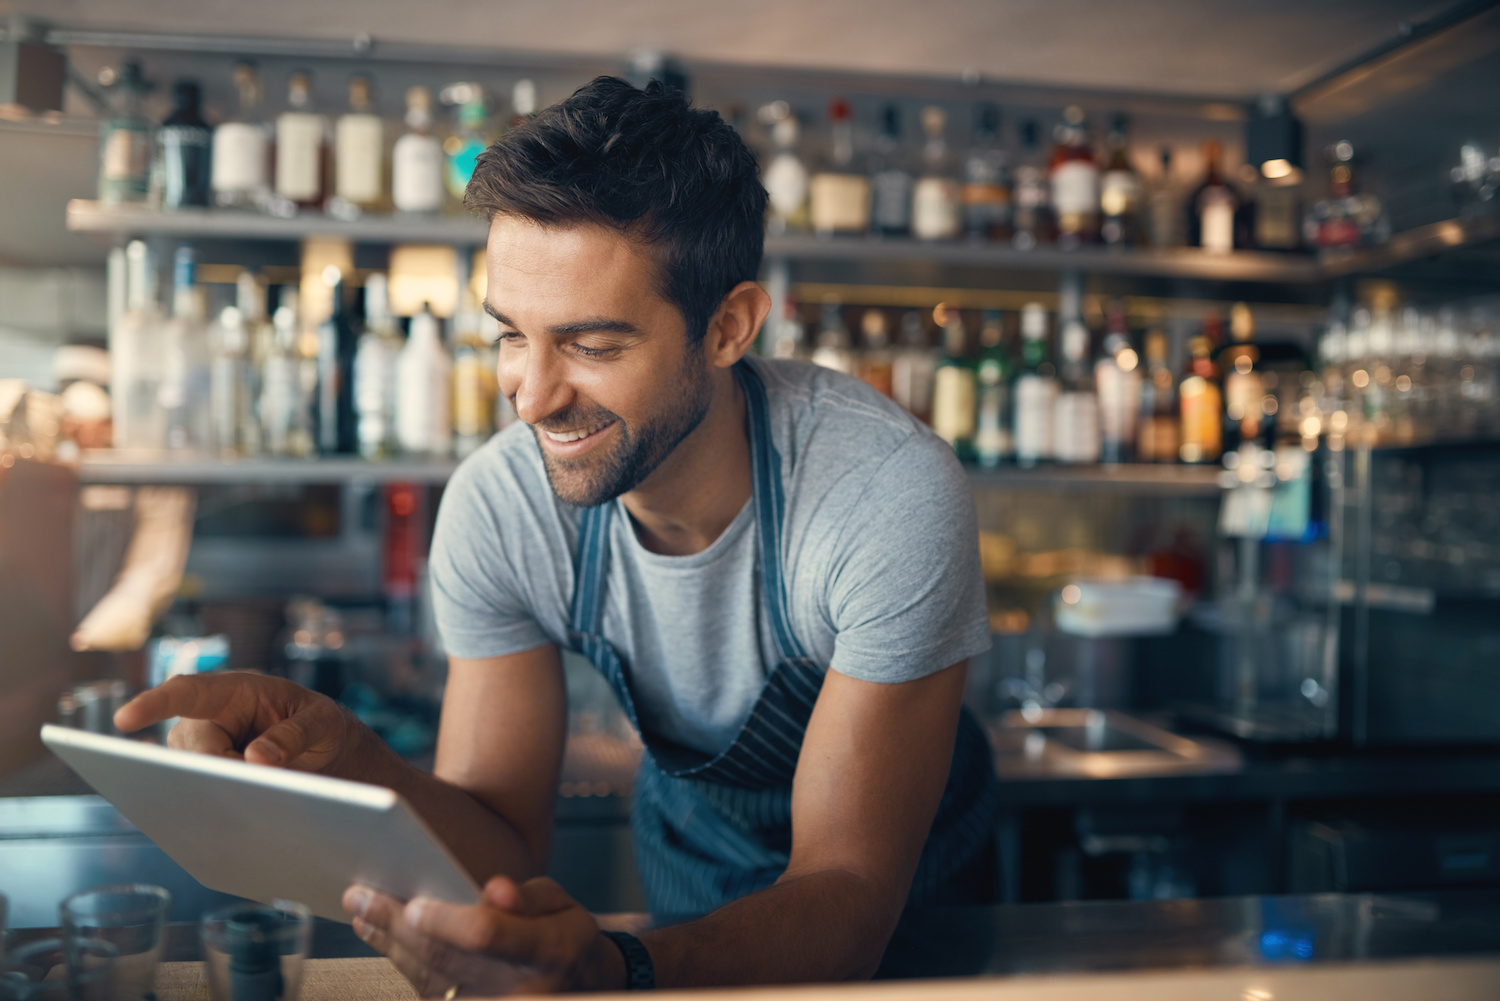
527	938
264	720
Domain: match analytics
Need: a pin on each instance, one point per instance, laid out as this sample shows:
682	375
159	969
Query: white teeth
574	435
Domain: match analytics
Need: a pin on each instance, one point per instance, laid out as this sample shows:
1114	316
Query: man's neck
692	497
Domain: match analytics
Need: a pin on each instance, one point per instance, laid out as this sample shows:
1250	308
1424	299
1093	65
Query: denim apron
712	828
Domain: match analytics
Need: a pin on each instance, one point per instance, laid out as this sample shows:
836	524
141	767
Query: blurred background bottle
137	352
1035	390
937	207
994	441
955	388
1075	182
834	349
912	368
184	147
839	197
424	378
785	175
241	160
1120	190
125	140
890	180
417	159
1032	214
301	148
184	391
987	184
359	154
1159	420
375	374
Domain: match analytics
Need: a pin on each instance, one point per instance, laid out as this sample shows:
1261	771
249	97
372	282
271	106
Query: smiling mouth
569	436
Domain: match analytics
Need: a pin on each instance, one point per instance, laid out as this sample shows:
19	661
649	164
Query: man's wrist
604	966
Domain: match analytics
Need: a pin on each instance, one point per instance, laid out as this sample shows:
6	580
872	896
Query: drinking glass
45	971
254	952
130	918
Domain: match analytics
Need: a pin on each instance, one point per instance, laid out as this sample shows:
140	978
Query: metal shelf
132	467
137	220
1142	478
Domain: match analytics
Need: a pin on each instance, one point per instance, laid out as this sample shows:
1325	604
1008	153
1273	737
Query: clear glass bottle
1164	215
1035	390
1117	380
1120	191
424	380
337	342
286	398
474	382
785	175
359	152
260	339
375	373
137	356
955	386
184	390
417	159
875	363
890	180
834	350
987	183
301	148
1212	208
125	141
242	149
994	441
937	206
463	148
839	196
1244	391
1076	425
1158	437
231	403
788	339
913	366
184	144
1075	182
1032	220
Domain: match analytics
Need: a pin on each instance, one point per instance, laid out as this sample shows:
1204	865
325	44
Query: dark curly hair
645	163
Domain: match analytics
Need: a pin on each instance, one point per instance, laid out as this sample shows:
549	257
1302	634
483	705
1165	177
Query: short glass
43	971
254	952
129	918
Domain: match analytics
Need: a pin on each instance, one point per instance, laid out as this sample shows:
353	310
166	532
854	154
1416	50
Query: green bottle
955	387
462	149
994	441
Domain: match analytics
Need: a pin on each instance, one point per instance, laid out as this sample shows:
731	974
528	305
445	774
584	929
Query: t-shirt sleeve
906	595
476	595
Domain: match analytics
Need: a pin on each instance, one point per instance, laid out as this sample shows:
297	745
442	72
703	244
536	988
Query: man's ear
734	326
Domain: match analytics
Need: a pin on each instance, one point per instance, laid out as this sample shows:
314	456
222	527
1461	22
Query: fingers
203	736
195	697
534	898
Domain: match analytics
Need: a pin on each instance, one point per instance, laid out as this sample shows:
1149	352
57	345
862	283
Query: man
773	566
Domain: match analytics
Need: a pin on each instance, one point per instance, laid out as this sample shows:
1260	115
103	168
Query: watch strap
640	975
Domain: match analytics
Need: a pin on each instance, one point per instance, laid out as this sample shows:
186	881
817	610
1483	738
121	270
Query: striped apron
711	829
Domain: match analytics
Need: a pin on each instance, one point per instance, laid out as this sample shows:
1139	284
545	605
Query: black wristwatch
640	975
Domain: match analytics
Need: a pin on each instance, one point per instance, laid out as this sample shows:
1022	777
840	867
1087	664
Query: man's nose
542	387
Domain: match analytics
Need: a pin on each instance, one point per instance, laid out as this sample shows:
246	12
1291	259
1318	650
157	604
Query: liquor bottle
1237	363
876	364
987	188
183	394
474	385
184	144
1211	210
954	387
417	159
336	347
1075	429
125	141
359	153
1278	213
786	175
1035	390
260	339
993	440
912	368
136	356
286	417
833	350
839	198
230	401
242	149
301	148
463	147
1164	216
1117	380
1158	439
1075	182
1120	191
787	337
523	102
1033	222
1201	401
936	206
1344	218
890	181
375	374
424	378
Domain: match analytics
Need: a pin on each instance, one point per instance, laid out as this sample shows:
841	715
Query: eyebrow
591	326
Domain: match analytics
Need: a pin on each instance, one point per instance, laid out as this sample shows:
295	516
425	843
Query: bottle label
786	183
299	156
911	376
1036	399
1075	188
1119	193
992	437
1202	427
891	200
417	174
953	409
359	145
936	214
126	153
1216	212
1077	428
840	203
239	157
1119	402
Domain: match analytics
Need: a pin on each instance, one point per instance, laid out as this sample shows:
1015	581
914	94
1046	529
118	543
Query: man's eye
589	352
512	336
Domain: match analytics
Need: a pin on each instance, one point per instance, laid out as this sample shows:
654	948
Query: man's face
590	355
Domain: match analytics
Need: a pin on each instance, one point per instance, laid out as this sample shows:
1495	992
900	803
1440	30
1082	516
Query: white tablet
263	833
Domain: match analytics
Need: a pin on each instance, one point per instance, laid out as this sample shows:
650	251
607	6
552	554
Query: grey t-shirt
879	552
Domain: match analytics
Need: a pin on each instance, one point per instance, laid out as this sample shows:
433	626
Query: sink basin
1099	744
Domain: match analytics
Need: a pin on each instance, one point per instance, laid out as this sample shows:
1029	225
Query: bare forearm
822	926
484	842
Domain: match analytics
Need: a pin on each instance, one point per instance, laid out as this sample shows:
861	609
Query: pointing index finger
198	697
